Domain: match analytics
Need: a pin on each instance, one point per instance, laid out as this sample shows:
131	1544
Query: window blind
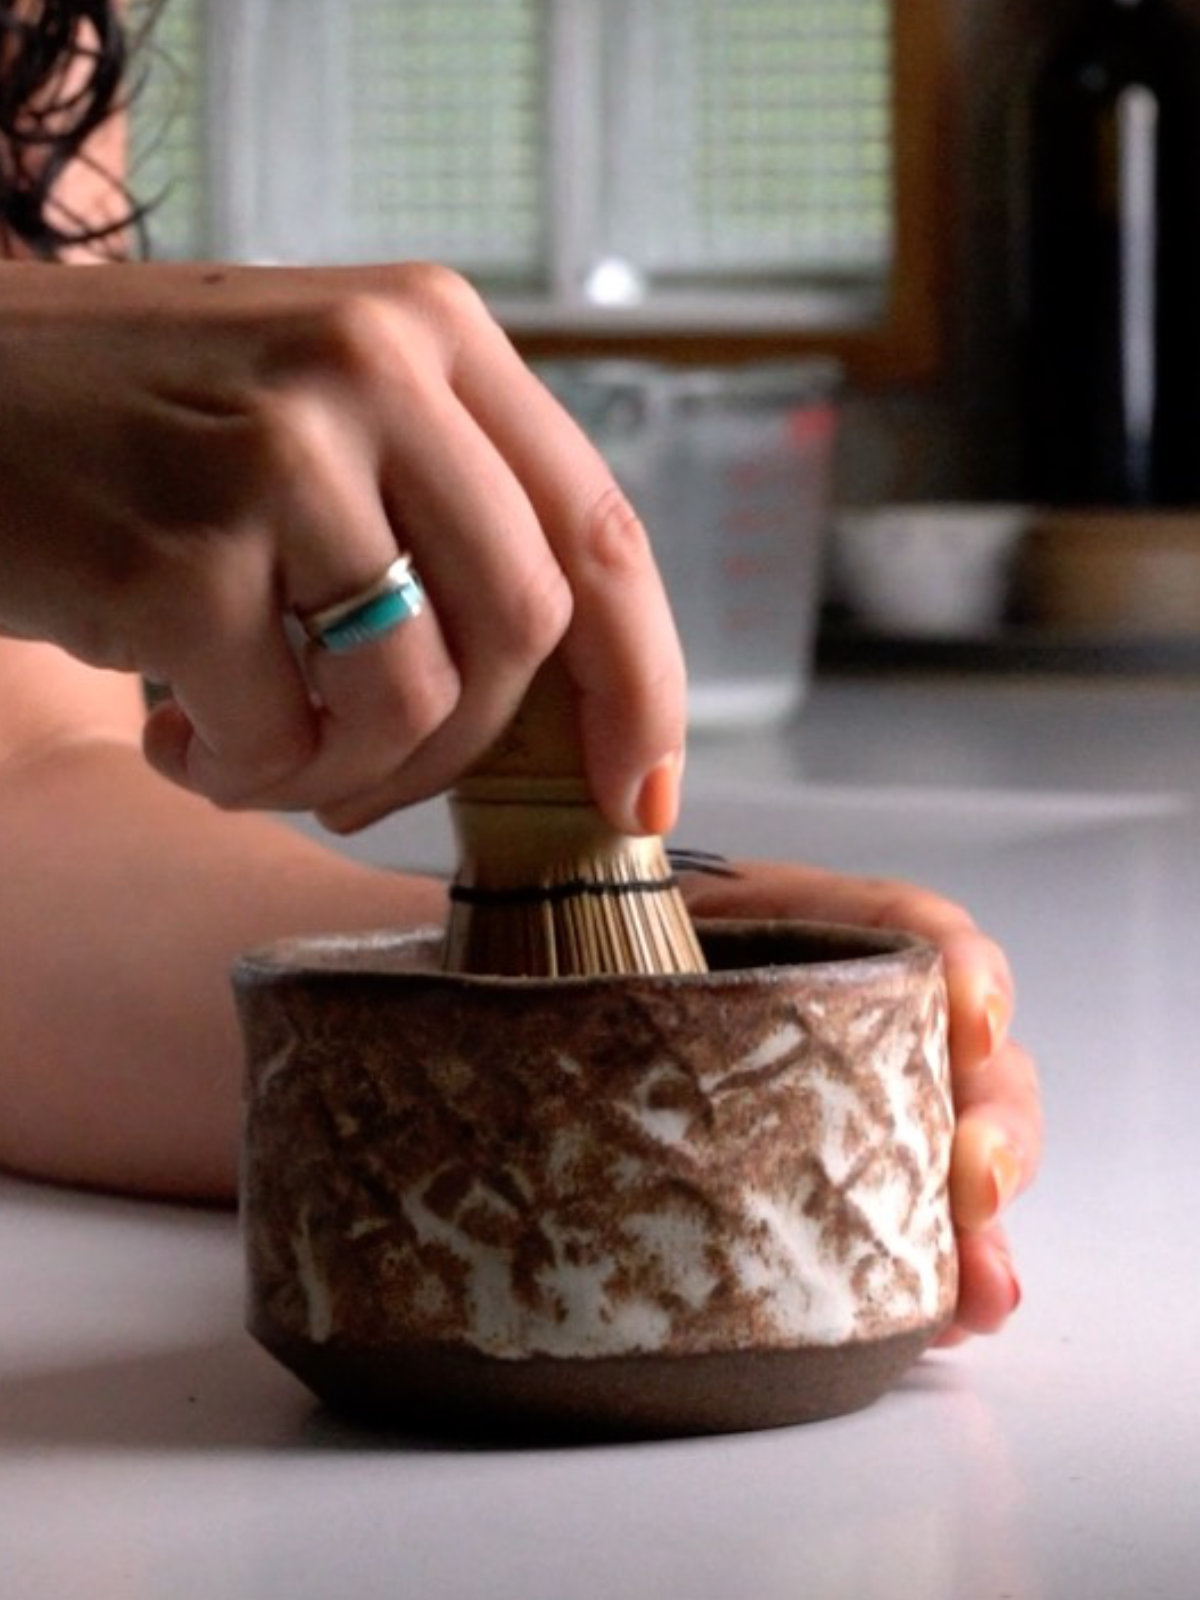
169	165
765	138
447	129
576	158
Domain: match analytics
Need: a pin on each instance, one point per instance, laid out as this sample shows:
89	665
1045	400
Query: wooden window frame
908	344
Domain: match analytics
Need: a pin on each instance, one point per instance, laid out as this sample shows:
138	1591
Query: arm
125	901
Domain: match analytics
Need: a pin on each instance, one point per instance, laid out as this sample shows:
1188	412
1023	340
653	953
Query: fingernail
995	1010
657	803
1004	1172
1014	1292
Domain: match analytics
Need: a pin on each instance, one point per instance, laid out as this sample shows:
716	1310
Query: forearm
125	902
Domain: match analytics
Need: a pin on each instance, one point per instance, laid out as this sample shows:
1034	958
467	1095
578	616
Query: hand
193	455
998	1135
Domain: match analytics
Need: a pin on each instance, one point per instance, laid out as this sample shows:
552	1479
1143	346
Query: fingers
621	648
989	1290
998	1139
381	700
779	889
499	595
362	714
997	1149
241	718
526	544
624	657
257	720
444	445
978	977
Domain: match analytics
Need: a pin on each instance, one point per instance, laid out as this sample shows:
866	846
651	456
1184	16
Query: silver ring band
394	597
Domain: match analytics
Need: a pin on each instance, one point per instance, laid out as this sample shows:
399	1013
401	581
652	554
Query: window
630	171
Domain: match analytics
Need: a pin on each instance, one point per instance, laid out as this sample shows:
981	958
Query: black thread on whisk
553	893
705	861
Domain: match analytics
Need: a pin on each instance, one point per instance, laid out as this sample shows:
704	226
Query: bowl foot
453	1389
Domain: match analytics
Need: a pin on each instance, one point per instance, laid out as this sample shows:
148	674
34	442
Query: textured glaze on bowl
621	1205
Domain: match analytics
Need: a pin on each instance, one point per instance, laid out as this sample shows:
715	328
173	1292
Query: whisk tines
545	886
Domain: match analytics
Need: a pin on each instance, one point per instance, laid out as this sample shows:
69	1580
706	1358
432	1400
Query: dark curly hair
63	70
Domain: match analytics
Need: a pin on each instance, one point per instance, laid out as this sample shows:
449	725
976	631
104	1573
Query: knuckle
373	343
358	333
294	438
388	320
442	293
344	348
275	431
414	707
533	616
613	538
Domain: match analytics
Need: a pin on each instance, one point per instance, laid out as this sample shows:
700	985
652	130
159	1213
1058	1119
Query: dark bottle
1113	361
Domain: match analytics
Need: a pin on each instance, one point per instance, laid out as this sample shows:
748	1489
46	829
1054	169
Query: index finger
621	650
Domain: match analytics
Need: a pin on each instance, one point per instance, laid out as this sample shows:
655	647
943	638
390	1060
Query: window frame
908	343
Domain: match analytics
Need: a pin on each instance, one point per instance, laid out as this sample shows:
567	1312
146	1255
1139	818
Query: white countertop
148	1449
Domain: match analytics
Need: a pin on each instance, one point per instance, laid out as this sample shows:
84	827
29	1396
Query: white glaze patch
783	1265
665	1124
774	1048
589	1319
679	1244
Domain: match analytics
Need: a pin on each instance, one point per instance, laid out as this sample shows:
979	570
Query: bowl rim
853	952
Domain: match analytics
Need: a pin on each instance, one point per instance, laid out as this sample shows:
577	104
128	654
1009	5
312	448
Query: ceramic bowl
601	1206
927	570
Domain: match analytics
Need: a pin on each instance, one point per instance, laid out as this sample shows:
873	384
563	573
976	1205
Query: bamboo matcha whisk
545	886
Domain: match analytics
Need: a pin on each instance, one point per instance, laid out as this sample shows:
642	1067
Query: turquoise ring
370	614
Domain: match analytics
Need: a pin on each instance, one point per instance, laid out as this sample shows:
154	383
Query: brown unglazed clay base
455	1389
